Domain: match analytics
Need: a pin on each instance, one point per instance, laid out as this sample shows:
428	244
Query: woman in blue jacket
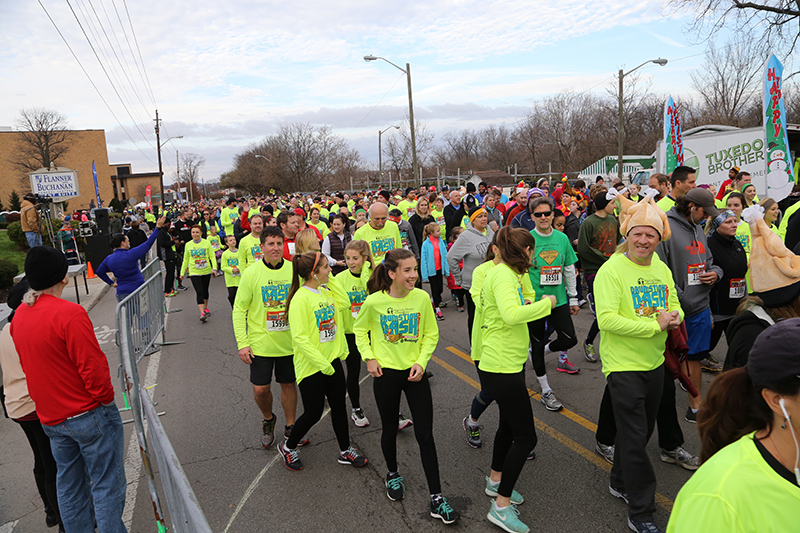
433	263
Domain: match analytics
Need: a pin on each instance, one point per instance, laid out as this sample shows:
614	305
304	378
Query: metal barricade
152	267
141	317
185	513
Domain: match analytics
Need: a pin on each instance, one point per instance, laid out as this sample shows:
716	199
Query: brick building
85	146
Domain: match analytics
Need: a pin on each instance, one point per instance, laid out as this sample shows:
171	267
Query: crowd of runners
321	285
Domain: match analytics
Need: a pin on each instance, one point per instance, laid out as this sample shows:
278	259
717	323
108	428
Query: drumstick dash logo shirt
400	325
649	296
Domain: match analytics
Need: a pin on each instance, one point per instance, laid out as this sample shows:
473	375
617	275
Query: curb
100	295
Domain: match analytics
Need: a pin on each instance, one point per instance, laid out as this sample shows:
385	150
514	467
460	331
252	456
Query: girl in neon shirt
199	263
318	344
396	333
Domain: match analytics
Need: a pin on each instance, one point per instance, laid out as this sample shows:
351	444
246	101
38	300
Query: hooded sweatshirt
687	255
470	246
727	293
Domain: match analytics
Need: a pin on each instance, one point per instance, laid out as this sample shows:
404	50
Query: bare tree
43	140
728	81
190	169
397	148
778	21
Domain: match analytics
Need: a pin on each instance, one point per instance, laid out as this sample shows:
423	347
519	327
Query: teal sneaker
491	490
507	519
444	511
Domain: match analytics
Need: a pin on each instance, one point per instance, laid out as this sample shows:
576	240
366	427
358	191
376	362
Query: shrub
16	235
12	217
7	272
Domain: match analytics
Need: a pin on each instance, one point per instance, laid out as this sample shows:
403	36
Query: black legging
44	465
169	276
561	321
516	434
200	284
482	399
314	389
716	333
670	435
387	389
437	286
353	371
232	294
470	312
594	329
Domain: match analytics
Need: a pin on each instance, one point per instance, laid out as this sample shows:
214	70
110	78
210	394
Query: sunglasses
543	214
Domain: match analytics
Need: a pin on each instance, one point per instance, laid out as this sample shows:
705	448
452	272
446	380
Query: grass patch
10	251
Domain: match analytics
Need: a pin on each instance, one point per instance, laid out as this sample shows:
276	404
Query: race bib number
355	308
258	253
236	274
550	275
737	289
694	272
290	246
327	330
440	221
215	245
276	321
200	264
410	212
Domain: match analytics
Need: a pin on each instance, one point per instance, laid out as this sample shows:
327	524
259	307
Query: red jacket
67	371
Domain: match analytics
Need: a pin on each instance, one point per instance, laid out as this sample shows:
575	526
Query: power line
92	82
376	105
135	40
107	75
133	55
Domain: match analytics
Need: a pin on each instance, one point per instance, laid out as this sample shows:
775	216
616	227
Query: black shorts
261	370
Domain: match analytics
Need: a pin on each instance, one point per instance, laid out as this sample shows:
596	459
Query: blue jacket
125	266
428	262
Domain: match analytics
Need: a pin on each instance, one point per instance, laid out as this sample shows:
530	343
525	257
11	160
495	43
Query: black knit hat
17	292
44	267
773	357
600	200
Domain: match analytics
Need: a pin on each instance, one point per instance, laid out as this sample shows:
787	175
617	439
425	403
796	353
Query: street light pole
620	116
407	72
160	168
620	120
380	151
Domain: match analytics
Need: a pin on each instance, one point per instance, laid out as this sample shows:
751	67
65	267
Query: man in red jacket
69	380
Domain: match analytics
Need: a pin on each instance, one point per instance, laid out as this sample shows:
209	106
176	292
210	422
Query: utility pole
178	175
413	135
160	170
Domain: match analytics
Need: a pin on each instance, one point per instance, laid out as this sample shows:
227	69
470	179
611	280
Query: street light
259	156
380	152
407	72
620	125
160	169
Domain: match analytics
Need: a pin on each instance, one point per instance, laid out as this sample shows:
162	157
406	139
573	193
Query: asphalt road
214	426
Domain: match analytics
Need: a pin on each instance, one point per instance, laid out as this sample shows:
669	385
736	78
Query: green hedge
16	235
7	272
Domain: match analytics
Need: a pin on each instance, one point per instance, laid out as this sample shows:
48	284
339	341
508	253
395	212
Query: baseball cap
703	198
773	357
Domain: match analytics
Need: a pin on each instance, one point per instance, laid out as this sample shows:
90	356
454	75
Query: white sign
713	154
59	185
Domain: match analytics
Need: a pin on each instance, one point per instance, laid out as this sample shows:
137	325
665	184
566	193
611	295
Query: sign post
60	184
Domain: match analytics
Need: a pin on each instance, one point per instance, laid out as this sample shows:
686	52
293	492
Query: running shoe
403	422
181	288
442	304
531	456
617	493
351	457
589	352
460	308
491	490
207	311
171	294
568	367
439	316
507	519
681	457
268	428
287	430
550	401
203	317
709	364
444	511
605	451
643	527
473	434
290	458
395	489
581	302
690	416
359	418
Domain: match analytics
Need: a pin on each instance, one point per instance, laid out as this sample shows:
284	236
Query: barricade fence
140	319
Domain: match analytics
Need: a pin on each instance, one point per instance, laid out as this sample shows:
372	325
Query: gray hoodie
470	246
687	246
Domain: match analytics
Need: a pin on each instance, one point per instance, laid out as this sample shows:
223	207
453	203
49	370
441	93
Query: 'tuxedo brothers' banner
776	140
672	136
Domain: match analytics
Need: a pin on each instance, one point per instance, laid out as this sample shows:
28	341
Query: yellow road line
587	454
575	417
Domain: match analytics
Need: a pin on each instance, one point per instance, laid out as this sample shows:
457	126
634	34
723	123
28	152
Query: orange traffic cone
90	273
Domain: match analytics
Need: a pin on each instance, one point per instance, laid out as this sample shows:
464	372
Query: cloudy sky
223	74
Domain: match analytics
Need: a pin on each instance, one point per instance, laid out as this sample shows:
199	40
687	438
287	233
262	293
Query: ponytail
380	280
303	267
